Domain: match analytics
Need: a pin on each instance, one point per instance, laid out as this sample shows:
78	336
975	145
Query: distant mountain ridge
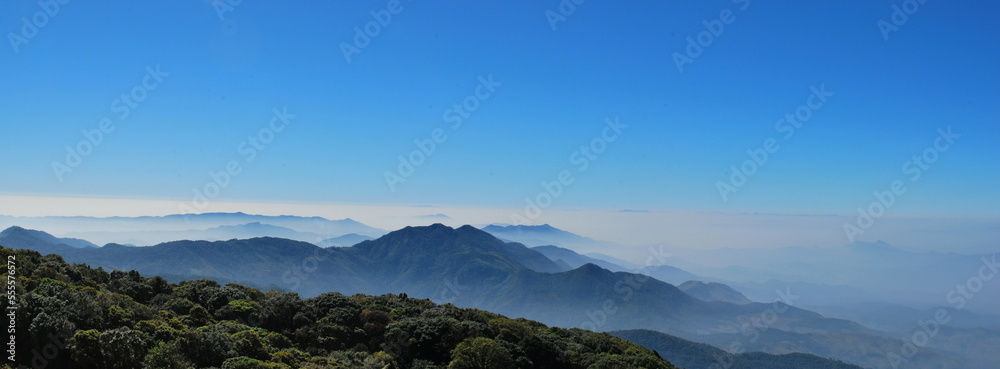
150	230
713	291
539	235
220	233
349	239
572	259
692	355
16	235
575	260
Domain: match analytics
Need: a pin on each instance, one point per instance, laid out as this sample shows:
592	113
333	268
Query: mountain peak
441	232
438	245
541	235
590	269
543	229
12	230
21	237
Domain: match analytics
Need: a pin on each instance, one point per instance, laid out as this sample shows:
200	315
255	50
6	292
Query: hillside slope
691	355
126	320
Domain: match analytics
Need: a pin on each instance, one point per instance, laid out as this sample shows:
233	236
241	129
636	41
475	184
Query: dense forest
74	316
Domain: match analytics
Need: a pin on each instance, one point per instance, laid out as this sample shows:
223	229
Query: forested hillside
74	316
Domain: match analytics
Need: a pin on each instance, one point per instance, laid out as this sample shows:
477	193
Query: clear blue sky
606	59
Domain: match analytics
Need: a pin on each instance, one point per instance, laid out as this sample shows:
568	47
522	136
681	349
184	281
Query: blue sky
607	59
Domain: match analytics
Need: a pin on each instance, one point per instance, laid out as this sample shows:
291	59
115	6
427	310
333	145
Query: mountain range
125	320
151	230
545	235
223	232
469	267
